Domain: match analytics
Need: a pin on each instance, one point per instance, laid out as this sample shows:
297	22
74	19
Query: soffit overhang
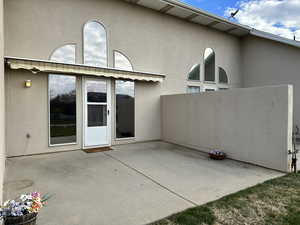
195	15
37	66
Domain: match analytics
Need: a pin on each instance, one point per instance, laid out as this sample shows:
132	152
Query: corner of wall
290	124
2	104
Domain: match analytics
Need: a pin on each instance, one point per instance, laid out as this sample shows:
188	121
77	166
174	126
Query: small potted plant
24	210
217	155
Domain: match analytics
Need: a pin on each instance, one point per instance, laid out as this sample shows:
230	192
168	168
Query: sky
280	17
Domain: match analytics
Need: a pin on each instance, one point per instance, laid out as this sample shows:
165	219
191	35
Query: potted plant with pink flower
23	210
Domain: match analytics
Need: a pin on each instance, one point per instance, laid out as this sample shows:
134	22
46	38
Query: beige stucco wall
267	62
2	104
250	124
27	113
153	42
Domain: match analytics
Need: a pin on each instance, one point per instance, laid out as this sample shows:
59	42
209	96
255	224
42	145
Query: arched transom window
63	88
223	76
94	44
64	54
209	65
122	62
194	73
209	81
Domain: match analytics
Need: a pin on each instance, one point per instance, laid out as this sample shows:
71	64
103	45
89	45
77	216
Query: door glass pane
97	115
125	109
96	91
62	96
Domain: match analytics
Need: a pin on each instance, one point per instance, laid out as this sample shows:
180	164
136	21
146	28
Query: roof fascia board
273	37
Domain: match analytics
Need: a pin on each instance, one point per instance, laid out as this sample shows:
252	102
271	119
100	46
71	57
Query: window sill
125	139
61	145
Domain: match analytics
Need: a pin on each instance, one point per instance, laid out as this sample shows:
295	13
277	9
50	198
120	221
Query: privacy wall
251	124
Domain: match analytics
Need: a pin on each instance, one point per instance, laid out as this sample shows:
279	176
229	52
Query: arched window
209	65
64	54
122	62
95	44
194	73
223	76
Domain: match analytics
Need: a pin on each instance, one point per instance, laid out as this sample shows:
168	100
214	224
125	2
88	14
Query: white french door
97	119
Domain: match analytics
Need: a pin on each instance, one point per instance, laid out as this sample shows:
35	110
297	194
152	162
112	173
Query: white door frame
84	110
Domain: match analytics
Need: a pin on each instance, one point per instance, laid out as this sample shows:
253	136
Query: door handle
108	112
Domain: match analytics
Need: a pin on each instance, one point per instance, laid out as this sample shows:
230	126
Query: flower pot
217	155
29	219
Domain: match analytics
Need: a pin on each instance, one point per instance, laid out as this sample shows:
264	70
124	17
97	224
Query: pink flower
35	194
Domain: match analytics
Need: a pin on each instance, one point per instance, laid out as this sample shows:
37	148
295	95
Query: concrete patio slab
191	173
134	184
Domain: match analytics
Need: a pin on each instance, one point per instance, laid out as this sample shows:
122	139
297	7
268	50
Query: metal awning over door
37	66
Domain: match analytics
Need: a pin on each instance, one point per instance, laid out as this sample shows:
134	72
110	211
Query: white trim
58	145
273	37
69	43
115	114
48	111
125	139
84	111
125	56
212	87
106	39
215	56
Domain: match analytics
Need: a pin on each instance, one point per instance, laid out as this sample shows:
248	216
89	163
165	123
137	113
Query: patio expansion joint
152	180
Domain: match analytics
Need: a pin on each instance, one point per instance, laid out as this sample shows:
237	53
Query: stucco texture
153	42
27	114
267	62
251	124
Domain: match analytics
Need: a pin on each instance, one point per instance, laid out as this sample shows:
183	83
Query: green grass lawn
274	202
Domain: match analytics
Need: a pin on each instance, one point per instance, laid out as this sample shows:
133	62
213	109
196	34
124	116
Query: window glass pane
209	65
64	54
194	73
96	91
223	76
193	89
125	109
95	44
97	115
62	95
208	89
122	62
